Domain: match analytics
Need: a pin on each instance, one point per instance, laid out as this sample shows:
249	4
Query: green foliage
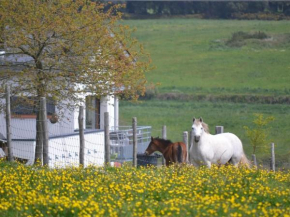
68	49
260	16
258	135
225	9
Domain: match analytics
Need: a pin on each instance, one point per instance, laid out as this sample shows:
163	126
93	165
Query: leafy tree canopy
64	48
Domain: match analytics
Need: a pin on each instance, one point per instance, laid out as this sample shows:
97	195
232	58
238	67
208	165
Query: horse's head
198	129
151	147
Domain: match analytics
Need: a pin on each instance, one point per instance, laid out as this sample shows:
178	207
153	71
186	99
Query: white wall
25	128
64	151
107	105
24	150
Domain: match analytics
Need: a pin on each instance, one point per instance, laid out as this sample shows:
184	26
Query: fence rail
115	145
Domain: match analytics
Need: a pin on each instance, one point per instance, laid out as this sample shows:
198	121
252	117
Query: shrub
238	39
259	133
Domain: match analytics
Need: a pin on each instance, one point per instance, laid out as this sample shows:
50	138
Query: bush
150	93
259	16
259	133
238	38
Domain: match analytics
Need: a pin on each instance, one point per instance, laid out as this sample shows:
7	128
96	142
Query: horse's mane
164	141
204	125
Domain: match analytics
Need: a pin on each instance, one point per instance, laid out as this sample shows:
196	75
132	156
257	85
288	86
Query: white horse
218	149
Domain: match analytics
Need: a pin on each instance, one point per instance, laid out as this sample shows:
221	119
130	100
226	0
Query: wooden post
219	129
44	130
107	140
254	160
8	124
191	144
134	126
272	166
39	141
164	136
185	140
82	137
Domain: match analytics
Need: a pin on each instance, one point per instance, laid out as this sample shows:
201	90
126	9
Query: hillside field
191	57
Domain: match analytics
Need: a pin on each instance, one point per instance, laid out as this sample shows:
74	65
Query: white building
63	135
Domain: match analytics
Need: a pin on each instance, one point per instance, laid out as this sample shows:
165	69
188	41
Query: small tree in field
259	133
65	48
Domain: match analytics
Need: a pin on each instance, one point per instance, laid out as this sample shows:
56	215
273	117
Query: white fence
122	142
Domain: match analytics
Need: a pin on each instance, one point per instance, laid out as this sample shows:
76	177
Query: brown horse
172	152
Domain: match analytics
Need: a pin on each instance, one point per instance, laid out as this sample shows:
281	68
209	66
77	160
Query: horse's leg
194	163
175	153
208	164
234	161
167	161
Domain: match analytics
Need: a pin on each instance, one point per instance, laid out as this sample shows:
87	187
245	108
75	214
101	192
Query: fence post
254	160
164	136
185	140
8	124
81	134
134	126
272	166
39	140
219	129
107	139
191	144
43	117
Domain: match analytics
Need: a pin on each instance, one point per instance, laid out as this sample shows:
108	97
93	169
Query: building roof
16	62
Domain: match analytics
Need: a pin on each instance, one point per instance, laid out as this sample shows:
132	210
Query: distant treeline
223	10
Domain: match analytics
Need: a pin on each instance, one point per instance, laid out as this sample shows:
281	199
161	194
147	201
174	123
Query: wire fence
281	157
122	142
64	142
28	131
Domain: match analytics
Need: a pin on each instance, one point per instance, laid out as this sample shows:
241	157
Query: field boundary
236	98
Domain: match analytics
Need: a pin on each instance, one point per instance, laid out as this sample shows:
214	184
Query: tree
64	48
259	133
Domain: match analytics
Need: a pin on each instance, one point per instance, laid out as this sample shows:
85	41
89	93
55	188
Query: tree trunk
39	137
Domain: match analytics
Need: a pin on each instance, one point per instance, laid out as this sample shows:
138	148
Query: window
93	107
26	107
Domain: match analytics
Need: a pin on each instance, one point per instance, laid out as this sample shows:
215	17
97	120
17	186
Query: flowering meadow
126	191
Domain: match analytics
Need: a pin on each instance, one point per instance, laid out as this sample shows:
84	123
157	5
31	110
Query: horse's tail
245	161
179	153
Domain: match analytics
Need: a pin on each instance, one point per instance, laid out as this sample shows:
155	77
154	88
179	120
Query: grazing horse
172	152
210	149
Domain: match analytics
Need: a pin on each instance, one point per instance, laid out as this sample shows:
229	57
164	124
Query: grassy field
190	55
177	116
192	58
126	191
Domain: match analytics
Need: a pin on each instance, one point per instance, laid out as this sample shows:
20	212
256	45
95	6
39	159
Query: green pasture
177	116
191	57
